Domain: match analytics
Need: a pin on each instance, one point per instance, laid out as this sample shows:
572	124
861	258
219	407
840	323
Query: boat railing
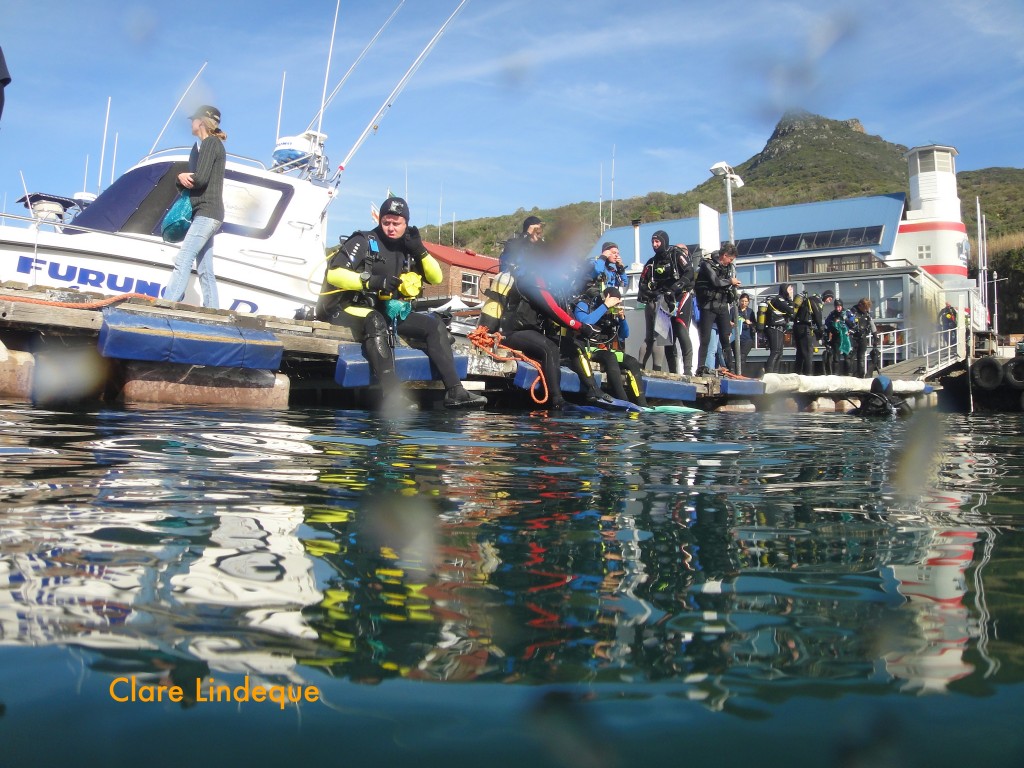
231	156
69	226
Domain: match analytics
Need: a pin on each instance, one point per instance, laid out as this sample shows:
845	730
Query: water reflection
729	560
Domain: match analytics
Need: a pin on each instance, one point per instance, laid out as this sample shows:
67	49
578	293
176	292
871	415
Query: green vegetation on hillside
808	158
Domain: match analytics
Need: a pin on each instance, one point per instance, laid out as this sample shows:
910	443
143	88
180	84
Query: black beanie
394	206
608	246
529	221
829	294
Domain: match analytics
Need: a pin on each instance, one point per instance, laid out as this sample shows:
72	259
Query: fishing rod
160	135
375	120
369	45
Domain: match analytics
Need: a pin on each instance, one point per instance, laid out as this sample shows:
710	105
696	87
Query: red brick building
466	274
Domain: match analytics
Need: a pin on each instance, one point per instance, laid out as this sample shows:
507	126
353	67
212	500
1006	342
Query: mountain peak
801	121
801	132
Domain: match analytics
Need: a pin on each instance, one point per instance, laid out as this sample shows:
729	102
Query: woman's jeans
198	247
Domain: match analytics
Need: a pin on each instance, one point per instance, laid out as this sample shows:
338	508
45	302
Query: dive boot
459	397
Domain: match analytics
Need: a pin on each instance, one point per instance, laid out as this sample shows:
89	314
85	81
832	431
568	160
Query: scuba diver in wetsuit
609	269
837	328
668	276
807	326
716	294
862	336
881	401
369	287
526	304
603	310
778	313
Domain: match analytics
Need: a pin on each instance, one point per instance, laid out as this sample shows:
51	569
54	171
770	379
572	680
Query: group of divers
553	309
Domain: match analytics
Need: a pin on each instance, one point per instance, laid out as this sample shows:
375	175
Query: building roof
458	257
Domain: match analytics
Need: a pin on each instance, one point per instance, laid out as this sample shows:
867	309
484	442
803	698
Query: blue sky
522	101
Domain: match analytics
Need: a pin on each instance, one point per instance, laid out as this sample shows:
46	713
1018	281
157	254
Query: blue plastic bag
178	219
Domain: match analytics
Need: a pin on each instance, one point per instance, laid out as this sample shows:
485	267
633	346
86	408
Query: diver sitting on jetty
603	310
369	287
522	303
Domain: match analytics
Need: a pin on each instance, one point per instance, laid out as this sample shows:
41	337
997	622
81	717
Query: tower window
924	252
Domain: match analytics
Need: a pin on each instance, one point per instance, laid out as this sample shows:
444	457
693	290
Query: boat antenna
611	205
113	158
28	200
369	45
375	120
173	111
280	106
103	149
327	71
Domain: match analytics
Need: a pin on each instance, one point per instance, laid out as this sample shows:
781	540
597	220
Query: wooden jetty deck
60	346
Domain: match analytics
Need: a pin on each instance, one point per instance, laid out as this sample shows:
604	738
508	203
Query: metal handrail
938	347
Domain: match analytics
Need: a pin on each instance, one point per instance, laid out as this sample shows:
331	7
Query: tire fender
987	373
1013	372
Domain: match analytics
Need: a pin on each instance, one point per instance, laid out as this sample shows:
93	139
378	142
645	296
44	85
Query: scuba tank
801	308
762	314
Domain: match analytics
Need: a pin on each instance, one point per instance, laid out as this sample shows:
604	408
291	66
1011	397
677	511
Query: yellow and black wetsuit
374	316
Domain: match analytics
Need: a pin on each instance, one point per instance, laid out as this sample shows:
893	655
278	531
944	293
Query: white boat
269	253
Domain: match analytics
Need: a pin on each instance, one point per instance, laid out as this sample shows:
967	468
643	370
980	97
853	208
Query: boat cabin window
253	206
136	202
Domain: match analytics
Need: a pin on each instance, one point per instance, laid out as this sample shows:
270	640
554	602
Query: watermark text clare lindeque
209	691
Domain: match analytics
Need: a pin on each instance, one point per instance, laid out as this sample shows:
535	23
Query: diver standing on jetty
862	336
716	294
807	327
748	327
369	287
838	347
666	282
778	313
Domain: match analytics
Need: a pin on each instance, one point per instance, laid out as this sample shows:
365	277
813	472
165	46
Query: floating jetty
59	346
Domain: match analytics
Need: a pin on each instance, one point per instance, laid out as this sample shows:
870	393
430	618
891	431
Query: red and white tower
933	235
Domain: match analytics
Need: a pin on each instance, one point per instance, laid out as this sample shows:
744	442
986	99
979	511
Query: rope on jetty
99	304
489	342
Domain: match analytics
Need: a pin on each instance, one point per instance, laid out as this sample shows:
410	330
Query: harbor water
222	587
